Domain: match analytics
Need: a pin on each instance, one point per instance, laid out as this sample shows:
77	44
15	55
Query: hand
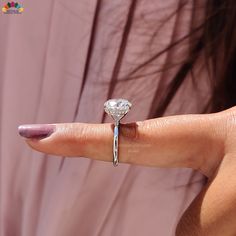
203	142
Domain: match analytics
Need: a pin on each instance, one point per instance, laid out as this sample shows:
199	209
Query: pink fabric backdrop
43	57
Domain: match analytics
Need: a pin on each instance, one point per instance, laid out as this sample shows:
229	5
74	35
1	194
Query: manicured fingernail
36	131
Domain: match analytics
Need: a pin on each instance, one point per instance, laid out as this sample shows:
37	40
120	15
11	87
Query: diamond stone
117	108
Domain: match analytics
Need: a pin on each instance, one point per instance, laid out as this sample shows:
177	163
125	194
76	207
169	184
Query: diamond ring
117	109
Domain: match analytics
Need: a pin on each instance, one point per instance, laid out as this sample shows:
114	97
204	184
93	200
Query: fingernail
36	131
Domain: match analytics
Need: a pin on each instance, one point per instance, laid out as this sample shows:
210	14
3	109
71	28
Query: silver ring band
115	144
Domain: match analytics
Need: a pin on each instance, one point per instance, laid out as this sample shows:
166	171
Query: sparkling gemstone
117	108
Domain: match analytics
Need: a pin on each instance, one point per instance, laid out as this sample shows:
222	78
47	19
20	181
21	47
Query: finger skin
213	212
203	142
177	141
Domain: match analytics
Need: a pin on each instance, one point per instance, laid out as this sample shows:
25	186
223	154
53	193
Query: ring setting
117	109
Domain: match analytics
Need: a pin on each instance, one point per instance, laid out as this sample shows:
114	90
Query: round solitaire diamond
117	108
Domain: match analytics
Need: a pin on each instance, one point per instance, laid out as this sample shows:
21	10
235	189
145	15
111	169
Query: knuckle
69	133
228	127
229	117
72	137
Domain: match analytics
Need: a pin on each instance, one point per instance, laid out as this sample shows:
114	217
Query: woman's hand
203	142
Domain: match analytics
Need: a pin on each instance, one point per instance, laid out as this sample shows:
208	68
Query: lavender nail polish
36	131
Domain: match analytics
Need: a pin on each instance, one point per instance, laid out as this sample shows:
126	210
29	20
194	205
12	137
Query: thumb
177	141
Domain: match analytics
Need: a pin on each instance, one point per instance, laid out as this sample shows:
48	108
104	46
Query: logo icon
12	8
